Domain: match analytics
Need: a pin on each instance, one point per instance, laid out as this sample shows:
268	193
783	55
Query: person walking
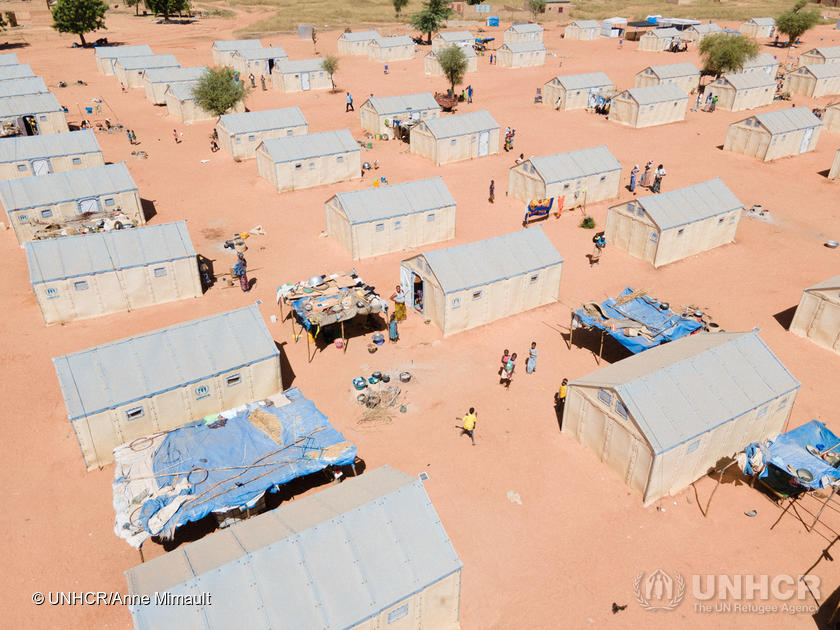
128	135
399	304
393	332
469	93
507	373
468	425
240	270
348	104
561	393
175	135
697	102
262	82
531	363
633	174
253	80
492	198
714	103
658	174
646	175
505	359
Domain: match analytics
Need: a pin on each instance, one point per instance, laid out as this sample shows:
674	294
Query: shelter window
252	138
456	302
380	227
782	402
534	278
733	217
160	272
476	295
233	379
398	224
650	108
430	217
238	140
640	211
474	139
763	411
452	142
80	285
692	447
290	132
721	220
109	202
681	231
603	178
605	397
398	613
312	166
77	160
42	118
620	409
22	168
134	413
23	218
339	159
676	103
654	237
46	214
566	186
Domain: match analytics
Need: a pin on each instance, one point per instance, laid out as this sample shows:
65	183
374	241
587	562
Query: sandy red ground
579	537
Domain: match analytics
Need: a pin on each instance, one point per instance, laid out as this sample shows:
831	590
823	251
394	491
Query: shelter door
806	140
405	283
483	143
88	205
304	81
40	167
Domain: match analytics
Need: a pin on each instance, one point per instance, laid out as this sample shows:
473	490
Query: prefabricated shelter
746	90
816	80
180	102
665	417
129	70
23	156
22	87
529	32
19	71
818	315
470	285
685	75
8	59
82	276
375	221
156	80
33	114
614	27
106	55
396	48
649	106
773	135
823	54
758	27
667	227
762	62
224	49
445	39
130	388
695	34
658	39
455	138
521	54
368	553
831	118
300	75
258	61
34	203
315	159
240	134
356	43
593	173
378	113
575	91
431	65
583	29
834	171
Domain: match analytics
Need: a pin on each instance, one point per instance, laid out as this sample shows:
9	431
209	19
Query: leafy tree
431	18
166	7
330	66
453	62
536	7
79	17
795	22
218	91
399	5
726	53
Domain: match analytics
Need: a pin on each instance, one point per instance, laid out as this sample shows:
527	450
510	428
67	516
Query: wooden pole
601	349
142	559
343	338
308	358
571	330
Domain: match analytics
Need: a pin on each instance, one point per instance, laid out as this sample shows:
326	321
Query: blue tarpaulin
660	324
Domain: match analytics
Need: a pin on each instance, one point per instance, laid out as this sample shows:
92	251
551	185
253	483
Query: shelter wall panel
112	295
525	186
56	306
834	171
805	313
266	168
134	285
203	398
825	327
440	603
552	92
97	436
87	302
163	288
624	111
187	278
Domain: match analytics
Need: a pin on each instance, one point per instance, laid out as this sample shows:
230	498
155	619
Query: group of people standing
651	178
509	135
508	366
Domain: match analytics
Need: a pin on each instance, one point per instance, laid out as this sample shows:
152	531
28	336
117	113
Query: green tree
218	91
722	52
399	5
330	66
453	62
166	7
431	17
536	7
79	17
796	21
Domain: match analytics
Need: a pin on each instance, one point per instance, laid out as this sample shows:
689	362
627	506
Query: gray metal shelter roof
330	560
175	74
73	256
523	47
19	71
763	21
183	91
530	27
48	145
787	120
21	87
84	183
818	70
829	52
273	52
236	44
468	51
586	24
461	124
706	28
360	36
393	41
657	93
830	284
395	200
584	81
482	262
266	120
692	203
422	101
748	80
673	70
287	66
134	368
144	62
310	145
680	390
574	164
760	60
29	104
113	52
663	32
8	59
456	36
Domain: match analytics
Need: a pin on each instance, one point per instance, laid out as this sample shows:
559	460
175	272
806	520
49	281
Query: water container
493	20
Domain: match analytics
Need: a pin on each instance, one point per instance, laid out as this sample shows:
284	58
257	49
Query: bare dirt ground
579	537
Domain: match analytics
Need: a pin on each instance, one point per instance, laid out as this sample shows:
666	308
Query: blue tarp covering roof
220	463
663	324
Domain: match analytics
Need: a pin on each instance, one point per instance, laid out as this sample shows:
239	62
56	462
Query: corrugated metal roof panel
763	21
657	94
236	44
88	254
760	60
123	371
586	24
385	105
829	52
678	391
19	71
819	70
48	145
460	124
584	81
706	28
394	200
394	41
456	36
526	28
482	262
175	74
274	52
360	36
310	145
787	120
674	70
298	65
29	104
692	203
749	80
144	62
523	47
574	164
21	87
468	51
249	122
30	192
830	284
663	33
8	59
183	91
112	52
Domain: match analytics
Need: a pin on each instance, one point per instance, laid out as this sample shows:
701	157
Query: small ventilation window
721	220
46	214
476	295
252	138
763	411
380	227
603	178
620	409
533	279
654	237
233	379
782	403
81	285
452	142
640	211
430	217
605	397
681	231
339	159
692	447
298	166
77	160
290	132
397	224
238	140
312	166
22	168
110	202
134	413
160	272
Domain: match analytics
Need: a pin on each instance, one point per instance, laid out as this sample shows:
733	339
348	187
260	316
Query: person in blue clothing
469	93
393	331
